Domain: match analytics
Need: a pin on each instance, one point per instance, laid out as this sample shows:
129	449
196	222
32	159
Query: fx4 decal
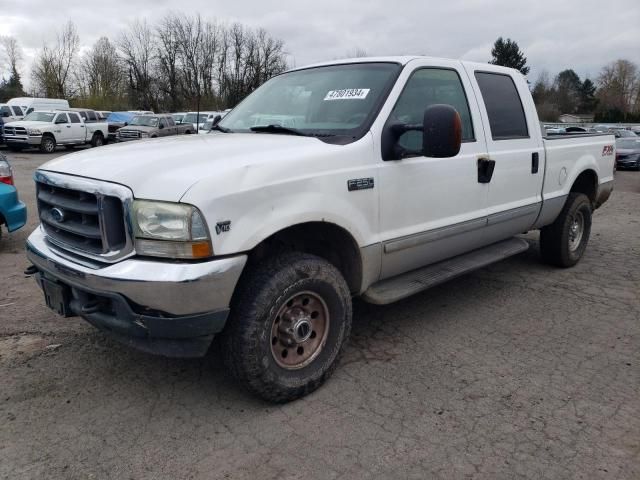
607	150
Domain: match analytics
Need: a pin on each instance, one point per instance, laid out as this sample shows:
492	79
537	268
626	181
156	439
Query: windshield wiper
273	128
219	128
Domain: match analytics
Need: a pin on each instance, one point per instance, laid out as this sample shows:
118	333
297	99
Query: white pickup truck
376	177
47	129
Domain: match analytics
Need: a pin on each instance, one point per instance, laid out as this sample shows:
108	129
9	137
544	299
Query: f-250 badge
359	184
222	227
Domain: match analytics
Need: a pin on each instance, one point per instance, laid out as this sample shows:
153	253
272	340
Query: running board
407	284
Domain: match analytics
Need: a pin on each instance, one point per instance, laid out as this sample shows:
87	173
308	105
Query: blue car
13	213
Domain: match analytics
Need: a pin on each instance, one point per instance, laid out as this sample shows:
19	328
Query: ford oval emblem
58	215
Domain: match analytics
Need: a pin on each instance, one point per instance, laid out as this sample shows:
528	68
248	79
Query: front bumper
23	140
172	309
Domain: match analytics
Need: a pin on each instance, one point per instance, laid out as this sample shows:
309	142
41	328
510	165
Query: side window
29	111
504	107
170	122
17	111
163	123
4	111
62	118
426	87
91	116
74	118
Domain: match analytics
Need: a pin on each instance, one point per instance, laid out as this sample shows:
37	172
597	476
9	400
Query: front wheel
289	322
564	241
48	144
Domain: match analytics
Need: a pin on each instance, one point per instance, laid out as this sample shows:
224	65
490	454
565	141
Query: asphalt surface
518	370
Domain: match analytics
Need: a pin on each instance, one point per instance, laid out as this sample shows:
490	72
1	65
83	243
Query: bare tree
138	47
13	52
100	75
198	47
52	70
11	87
169	69
618	86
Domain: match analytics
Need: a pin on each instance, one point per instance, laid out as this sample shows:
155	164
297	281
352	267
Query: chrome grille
129	134
78	216
8	130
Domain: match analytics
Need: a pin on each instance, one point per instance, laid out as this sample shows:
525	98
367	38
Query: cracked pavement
518	370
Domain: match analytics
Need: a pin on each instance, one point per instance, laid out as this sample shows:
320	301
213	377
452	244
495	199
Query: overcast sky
554	35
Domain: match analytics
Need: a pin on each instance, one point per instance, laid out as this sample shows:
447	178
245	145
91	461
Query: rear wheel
564	241
48	144
290	319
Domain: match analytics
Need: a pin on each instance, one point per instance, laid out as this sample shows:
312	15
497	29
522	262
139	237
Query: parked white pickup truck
376	177
47	129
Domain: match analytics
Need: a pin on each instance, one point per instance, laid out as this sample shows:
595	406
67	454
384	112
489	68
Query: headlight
34	131
144	135
174	230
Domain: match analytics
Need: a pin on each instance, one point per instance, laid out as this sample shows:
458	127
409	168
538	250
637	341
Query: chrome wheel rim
576	231
299	330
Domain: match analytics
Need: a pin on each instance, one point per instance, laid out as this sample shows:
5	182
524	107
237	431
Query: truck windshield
144	121
320	101
39	117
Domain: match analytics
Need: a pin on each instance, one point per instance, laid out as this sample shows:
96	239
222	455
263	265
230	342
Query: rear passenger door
514	150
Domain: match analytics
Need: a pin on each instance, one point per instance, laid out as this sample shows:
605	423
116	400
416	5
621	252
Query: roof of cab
403	60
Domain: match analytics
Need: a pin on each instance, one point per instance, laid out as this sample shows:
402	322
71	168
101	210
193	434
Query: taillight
6	175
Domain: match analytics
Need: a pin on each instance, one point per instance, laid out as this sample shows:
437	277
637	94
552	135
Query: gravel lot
516	371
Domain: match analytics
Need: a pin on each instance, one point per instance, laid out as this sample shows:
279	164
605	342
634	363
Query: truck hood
28	124
164	169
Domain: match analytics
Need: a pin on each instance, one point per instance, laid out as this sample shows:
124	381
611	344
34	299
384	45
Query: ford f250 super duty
376	177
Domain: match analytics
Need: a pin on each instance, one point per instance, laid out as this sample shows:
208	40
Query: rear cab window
507	119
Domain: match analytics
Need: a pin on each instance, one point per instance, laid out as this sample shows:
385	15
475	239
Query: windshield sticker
347	94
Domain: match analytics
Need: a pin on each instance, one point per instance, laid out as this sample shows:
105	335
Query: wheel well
48	134
326	240
587	183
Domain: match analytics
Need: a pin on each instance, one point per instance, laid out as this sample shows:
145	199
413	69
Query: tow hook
31	270
92	307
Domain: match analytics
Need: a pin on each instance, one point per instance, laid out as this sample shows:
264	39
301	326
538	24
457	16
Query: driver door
432	208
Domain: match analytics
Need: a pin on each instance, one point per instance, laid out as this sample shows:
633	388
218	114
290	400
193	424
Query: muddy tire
48	144
97	140
290	319
564	241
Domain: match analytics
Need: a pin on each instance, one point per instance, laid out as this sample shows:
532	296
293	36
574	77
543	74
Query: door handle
535	162
68	126
485	169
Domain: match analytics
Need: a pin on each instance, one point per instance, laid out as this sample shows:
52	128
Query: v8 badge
222	227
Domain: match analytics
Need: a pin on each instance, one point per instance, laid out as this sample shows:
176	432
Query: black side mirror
126	124
216	120
442	132
441	135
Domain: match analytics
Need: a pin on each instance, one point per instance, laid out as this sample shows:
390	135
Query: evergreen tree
588	100
508	54
568	86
